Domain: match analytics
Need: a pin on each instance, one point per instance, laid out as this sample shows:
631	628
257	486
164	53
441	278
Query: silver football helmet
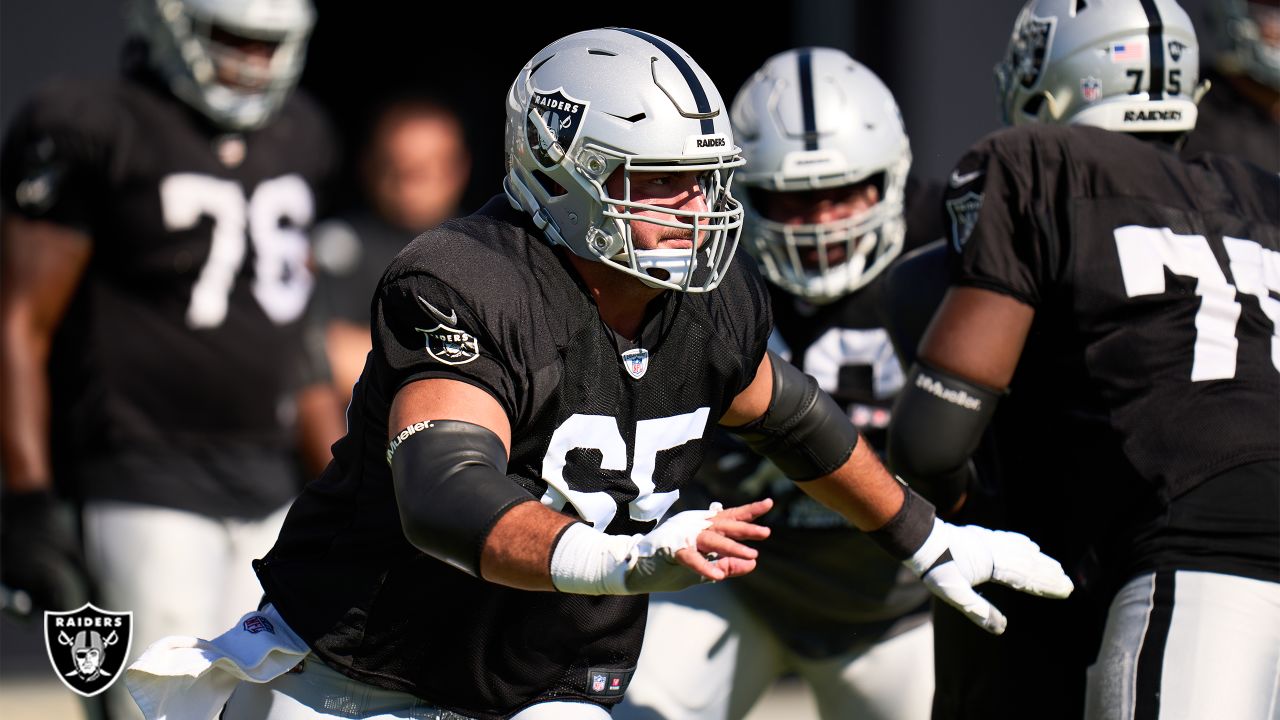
812	119
1249	46
1116	64
188	48
622	100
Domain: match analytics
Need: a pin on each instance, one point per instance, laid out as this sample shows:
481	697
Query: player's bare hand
718	554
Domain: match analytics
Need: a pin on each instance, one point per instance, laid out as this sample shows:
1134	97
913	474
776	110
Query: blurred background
935	55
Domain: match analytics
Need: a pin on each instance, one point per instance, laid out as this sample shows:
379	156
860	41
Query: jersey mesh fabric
151	405
402	620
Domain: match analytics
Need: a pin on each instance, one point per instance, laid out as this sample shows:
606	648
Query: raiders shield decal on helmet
1032	45
552	122
88	647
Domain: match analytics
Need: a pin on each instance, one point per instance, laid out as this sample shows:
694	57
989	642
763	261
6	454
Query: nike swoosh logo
957	179
450	319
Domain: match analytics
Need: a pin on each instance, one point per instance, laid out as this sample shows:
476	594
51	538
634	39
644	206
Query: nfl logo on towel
636	362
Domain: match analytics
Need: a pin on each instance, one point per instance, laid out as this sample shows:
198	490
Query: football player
1241	114
413	169
155	281
1125	301
827	197
543	377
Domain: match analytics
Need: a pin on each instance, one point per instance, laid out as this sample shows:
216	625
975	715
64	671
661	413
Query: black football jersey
175	366
1154	359
1228	123
351	252
611	440
1144	272
821	585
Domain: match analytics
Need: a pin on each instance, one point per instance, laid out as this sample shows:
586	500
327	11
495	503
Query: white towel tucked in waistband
187	678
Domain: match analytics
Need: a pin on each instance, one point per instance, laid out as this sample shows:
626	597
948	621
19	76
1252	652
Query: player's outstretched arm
784	416
456	503
42	263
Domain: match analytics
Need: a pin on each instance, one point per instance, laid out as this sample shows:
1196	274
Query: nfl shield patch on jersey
636	362
608	682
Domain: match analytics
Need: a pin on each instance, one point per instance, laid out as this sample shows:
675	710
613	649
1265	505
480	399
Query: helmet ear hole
552	188
1033	105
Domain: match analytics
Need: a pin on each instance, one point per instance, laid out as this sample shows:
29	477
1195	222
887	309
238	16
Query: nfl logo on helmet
1090	89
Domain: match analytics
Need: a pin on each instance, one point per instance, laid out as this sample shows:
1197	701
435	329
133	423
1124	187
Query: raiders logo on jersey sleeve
446	342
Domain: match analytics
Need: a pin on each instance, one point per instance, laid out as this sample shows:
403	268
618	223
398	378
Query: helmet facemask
810	148
580	126
199	46
1249	36
715	229
823	261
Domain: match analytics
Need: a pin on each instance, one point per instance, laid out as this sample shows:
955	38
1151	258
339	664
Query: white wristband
588	562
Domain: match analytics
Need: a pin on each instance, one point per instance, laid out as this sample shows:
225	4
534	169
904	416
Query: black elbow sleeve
804	432
937	421
451	488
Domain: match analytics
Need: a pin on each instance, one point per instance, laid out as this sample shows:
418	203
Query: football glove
40	552
955	558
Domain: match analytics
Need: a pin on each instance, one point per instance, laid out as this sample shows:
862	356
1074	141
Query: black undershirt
1228	524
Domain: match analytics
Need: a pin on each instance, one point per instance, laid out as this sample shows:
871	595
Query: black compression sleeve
937	421
803	432
451	488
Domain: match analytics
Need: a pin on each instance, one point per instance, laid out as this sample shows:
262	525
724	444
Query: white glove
589	562
955	558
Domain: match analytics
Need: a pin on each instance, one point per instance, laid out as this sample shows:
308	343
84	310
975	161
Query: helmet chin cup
663	267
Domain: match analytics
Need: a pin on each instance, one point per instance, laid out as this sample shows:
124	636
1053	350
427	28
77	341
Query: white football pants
180	573
707	657
1184	645
319	691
